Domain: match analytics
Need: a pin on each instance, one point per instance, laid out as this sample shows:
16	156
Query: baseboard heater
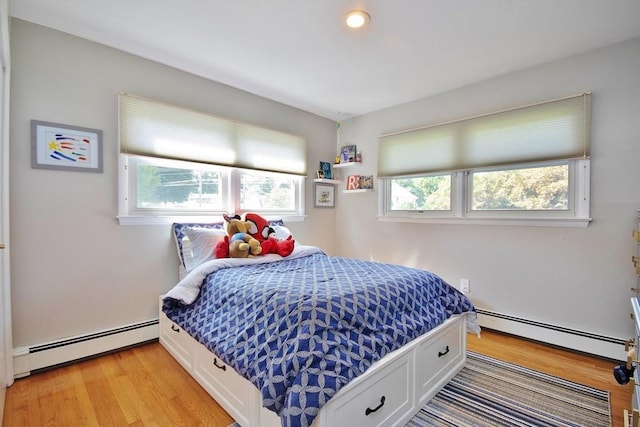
27	360
573	339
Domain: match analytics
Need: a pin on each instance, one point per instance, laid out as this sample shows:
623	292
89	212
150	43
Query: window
525	166
421	193
160	186
181	165
526	188
268	192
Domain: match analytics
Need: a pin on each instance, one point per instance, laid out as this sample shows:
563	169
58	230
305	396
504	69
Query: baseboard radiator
27	360
573	339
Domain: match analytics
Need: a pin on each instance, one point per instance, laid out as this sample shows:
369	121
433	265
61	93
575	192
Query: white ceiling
299	53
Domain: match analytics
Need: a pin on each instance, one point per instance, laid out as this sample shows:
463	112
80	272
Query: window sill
520	222
162	220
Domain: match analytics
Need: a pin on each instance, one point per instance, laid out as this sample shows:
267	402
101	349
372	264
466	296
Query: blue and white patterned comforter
300	328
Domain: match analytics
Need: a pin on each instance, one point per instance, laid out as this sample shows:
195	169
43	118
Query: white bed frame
388	394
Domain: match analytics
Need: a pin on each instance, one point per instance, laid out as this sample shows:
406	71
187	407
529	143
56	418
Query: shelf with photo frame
348	156
325	174
359	184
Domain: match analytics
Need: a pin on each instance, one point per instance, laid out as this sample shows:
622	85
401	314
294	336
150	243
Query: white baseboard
585	342
33	358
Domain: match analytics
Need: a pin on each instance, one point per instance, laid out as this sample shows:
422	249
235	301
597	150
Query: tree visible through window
421	193
526	188
539	188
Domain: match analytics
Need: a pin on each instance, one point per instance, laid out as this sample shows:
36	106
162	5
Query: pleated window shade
154	129
554	130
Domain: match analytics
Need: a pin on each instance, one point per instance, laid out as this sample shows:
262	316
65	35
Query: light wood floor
144	386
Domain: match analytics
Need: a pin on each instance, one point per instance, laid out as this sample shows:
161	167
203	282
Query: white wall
74	270
575	278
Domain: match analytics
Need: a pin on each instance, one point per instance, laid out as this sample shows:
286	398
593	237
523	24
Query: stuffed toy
260	230
237	243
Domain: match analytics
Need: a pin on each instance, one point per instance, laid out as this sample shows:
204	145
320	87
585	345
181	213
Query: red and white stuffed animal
261	231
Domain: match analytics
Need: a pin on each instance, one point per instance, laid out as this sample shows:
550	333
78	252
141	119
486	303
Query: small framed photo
320	174
326	169
348	154
64	147
366	182
324	196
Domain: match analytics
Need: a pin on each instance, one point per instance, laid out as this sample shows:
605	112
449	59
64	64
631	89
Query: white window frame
576	216
298	181
129	214
385	202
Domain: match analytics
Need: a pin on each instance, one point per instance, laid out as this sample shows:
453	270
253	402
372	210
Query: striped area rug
489	392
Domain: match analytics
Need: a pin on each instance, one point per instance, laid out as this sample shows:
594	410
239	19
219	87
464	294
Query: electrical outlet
465	286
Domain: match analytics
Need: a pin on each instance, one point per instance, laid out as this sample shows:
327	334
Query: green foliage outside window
542	188
536	188
422	193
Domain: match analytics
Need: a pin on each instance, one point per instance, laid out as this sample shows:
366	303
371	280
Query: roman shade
155	129
553	130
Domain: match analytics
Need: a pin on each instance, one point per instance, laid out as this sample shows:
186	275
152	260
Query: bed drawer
439	358
233	392
381	400
177	342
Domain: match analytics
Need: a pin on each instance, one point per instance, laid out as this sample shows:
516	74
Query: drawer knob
371	411
215	363
174	328
443	353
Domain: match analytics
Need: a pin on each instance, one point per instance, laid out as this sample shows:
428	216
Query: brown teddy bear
237	243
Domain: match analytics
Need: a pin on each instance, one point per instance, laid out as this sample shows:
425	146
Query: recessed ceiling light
357	19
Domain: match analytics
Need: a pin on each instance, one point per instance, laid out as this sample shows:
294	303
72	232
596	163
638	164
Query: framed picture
348	154
320	174
325	167
324	196
63	147
366	182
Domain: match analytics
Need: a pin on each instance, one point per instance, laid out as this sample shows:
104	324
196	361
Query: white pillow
282	232
198	246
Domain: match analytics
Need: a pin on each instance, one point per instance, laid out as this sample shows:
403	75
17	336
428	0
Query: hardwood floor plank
104	403
145	386
75	399
125	392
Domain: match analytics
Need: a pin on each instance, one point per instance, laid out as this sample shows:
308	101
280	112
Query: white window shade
150	128
265	149
555	130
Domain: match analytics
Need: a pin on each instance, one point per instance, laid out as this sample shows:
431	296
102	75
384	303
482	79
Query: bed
311	339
